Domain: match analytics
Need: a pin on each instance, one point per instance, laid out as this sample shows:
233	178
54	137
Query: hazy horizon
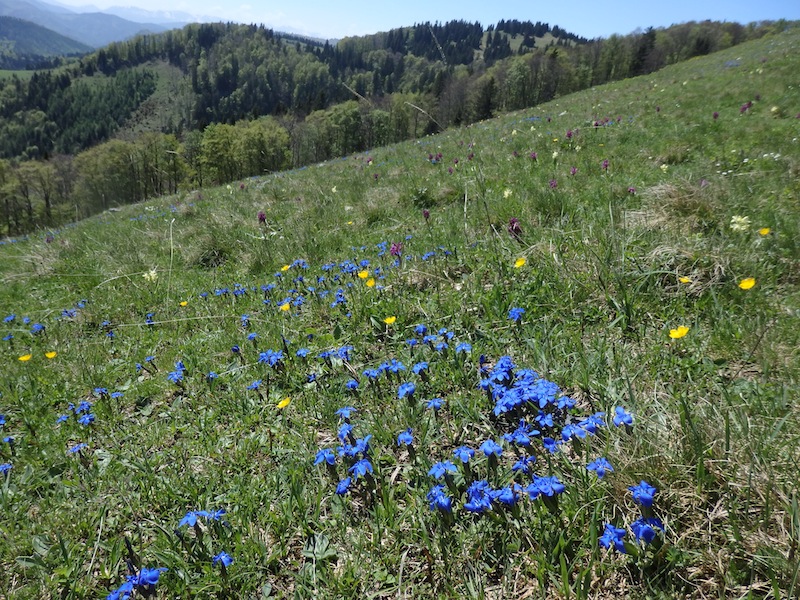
587	19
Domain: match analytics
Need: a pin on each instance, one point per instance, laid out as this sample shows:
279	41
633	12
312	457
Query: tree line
260	103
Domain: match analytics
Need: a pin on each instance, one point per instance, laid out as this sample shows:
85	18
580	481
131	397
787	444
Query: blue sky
336	19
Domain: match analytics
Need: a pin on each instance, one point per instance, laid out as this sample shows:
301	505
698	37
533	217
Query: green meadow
551	355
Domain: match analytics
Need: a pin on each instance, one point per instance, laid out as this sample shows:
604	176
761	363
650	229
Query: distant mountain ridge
22	41
92	29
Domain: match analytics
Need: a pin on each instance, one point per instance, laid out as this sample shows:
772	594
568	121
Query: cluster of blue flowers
644	528
144	581
176	376
190	518
353	451
83	413
6	467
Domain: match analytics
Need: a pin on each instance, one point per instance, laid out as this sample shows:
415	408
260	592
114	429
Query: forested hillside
23	44
212	103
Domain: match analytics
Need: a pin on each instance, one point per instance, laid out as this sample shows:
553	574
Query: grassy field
386	375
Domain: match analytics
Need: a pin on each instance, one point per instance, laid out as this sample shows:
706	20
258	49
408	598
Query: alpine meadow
551	354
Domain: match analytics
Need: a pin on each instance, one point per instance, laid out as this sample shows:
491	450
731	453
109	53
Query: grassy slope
716	418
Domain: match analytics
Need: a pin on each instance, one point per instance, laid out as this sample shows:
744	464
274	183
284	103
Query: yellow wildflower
284	403
184	303
285	307
51	354
764	231
363	274
390	320
25	357
371	282
520	262
684	279
285	268
747	283
678	333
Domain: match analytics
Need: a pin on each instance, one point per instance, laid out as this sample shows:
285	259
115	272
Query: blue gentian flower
362	445
86	419
643	493
5	468
515	314
549	485
439	470
223	558
406	390
622	418
550	445
479	498
601	466
325	455
544	419
645	529
507	495
435	403
565	403
438	499
490	447
394	366
405	438
352	384
371	374
78	447
343	486
149	577
270	357
175	377
420	367
524	464
189	519
345	412
361	468
345	429
521	435
255	385
613	537
463	347
302	352
464	453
